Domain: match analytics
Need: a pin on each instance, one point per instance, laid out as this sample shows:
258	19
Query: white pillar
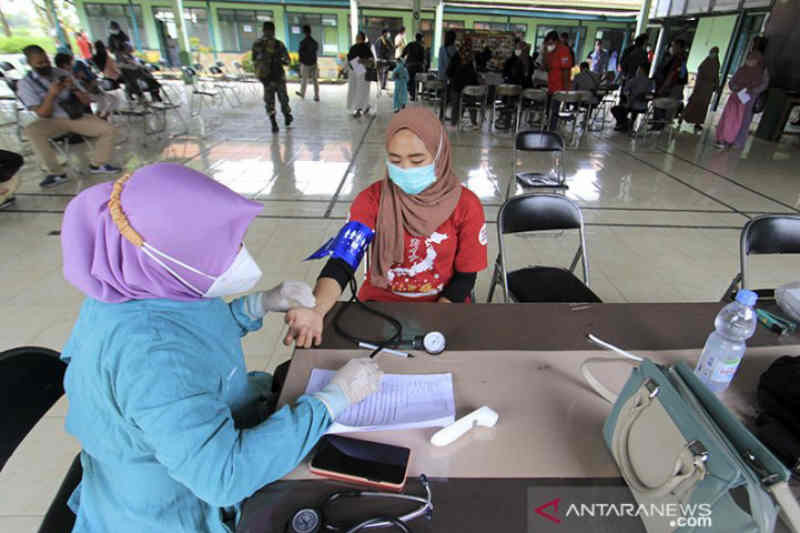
437	33
353	20
662	31
642	19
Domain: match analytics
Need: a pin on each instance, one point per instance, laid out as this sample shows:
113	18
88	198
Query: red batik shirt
457	245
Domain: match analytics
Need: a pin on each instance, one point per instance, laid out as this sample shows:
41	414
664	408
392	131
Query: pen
369	346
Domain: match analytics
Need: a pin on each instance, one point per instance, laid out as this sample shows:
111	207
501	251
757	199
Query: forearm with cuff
333	398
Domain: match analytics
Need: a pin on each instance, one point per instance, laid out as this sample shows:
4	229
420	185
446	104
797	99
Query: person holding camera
60	107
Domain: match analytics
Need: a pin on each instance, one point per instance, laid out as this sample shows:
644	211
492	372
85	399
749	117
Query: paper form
403	401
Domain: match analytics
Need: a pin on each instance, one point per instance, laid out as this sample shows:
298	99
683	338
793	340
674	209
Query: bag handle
689	466
593	382
789	508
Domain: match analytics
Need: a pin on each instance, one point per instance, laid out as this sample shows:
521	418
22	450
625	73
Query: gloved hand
352	383
286	295
281	298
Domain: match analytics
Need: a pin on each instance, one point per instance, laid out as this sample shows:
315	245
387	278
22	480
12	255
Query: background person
10	163
558	63
269	57
106	102
46	91
430	231
308	63
414	55
600	58
384	53
400	43
705	84
357	84
159	394
84	45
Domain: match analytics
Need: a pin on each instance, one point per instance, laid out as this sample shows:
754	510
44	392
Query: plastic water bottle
725	346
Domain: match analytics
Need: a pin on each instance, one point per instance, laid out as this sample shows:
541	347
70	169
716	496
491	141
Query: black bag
760	103
72	106
778	424
371	74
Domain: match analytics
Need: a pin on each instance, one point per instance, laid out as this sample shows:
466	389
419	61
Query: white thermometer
483	416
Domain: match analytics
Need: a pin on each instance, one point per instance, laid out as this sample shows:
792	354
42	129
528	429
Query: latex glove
288	294
351	384
281	298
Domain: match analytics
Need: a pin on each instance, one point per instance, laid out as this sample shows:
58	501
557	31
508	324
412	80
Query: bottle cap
746	297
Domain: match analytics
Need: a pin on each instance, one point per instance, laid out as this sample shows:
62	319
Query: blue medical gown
157	392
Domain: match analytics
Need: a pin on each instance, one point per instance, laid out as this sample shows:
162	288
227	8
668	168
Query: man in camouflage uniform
269	57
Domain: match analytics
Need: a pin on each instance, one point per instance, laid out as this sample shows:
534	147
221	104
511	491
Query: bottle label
725	370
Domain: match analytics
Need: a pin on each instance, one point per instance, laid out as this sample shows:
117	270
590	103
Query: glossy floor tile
662	223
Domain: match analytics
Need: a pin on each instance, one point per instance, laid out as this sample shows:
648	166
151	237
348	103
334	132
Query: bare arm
305	325
45	109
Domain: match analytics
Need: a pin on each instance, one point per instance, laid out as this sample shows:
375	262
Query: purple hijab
179	211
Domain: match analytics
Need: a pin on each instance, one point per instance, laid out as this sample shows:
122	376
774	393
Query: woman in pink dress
746	85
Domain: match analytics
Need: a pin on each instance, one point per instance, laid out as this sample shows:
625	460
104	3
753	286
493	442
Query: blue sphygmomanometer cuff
349	245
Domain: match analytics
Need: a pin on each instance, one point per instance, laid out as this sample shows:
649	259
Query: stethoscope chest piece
305	521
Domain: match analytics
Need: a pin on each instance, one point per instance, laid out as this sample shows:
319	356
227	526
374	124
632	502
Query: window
99	16
576	36
453	24
677	7
323	30
726	5
374	26
240	28
195	19
697	6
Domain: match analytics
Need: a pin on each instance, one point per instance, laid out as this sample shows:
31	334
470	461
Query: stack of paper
403	401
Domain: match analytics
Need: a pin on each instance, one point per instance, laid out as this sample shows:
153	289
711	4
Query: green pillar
415	16
211	38
62	37
183	37
137	39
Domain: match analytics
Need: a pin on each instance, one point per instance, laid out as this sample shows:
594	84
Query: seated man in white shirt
60	106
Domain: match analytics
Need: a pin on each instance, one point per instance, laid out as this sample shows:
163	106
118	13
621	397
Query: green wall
711	31
150	39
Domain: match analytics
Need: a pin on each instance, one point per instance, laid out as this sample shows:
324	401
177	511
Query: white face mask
518	52
241	276
551	47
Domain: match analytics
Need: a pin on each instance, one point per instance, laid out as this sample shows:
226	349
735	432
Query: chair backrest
475	90
215	70
769	234
198	67
508	90
534	94
540	212
539	141
31	380
220	64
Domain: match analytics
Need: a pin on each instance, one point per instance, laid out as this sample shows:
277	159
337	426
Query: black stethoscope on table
310	520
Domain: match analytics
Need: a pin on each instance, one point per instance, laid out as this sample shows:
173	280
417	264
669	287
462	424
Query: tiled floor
662	225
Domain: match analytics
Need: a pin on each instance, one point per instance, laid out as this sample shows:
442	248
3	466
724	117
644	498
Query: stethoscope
310	520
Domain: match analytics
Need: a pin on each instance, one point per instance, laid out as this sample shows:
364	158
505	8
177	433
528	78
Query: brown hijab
420	214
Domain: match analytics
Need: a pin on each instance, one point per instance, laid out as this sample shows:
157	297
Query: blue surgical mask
412	180
416	179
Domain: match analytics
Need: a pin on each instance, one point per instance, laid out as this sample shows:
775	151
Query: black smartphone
363	462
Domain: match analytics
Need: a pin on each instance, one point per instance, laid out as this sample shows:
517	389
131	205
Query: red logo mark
541	510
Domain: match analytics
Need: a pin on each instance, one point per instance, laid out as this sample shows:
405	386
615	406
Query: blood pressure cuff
349	245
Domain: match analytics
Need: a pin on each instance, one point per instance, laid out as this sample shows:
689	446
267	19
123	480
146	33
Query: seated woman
129	75
174	432
429	231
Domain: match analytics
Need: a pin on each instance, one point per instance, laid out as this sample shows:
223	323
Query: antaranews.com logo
577	507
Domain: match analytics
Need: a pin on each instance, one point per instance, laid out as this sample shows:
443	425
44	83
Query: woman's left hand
286	295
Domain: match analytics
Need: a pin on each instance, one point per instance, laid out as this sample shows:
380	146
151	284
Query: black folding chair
767	234
542	142
532	213
30	383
